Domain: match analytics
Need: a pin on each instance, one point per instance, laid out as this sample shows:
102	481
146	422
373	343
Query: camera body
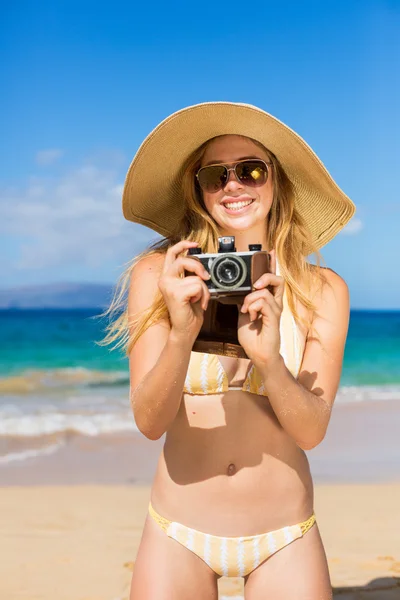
232	276
232	273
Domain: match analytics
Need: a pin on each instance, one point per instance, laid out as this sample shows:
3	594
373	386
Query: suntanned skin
228	466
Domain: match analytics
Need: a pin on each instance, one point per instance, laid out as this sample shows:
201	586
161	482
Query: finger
261	308
268	279
174	251
185	263
206	296
264	295
192	291
275	284
181	289
197	287
257	307
202	298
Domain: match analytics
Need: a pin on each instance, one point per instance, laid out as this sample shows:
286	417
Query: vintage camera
232	275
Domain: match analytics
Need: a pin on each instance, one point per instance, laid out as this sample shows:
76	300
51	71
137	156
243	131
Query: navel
231	470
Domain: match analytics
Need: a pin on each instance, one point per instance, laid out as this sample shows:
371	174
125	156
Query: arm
303	406
159	359
157	362
157	397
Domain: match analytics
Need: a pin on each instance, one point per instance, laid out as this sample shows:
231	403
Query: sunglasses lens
252	172
249	172
213	178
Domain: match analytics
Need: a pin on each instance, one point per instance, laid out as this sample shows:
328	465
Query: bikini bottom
232	556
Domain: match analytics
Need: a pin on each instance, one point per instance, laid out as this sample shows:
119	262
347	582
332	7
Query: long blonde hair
286	230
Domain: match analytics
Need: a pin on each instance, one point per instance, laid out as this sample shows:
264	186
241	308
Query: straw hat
152	192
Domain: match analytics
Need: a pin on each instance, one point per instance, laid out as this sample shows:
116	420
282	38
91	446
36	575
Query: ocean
55	381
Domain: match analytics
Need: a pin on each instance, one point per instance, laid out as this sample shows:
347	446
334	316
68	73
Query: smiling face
238	209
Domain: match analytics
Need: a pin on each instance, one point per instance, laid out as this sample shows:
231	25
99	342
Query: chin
240	224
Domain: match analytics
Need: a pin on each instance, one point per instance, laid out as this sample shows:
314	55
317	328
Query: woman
233	494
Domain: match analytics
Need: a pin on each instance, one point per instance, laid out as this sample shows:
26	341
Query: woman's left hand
259	318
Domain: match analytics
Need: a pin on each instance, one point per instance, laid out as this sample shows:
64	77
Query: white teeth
237	205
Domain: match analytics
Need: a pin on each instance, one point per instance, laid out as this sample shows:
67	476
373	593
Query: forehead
228	148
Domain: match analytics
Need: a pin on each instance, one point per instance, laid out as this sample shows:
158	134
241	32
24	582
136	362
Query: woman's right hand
186	297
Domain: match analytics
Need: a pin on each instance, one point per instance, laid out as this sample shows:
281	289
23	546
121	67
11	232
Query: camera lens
228	272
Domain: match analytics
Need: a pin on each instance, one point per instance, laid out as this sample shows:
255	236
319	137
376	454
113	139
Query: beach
71	520
75	472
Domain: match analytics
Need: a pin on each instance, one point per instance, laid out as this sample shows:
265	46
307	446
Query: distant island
57	295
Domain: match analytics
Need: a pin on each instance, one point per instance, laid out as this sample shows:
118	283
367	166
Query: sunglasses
252	172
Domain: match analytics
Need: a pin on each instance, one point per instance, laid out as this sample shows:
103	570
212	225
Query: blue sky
84	82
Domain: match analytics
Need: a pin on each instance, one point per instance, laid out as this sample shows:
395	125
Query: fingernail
257	284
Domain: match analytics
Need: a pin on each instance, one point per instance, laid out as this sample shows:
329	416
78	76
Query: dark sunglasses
252	172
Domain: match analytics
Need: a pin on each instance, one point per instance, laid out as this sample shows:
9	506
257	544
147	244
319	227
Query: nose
232	182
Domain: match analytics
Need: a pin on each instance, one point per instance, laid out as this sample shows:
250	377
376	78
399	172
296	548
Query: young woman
233	494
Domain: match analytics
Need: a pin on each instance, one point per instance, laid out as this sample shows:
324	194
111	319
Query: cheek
266	197
209	202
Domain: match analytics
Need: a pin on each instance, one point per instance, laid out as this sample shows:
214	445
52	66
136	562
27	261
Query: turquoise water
54	339
372	353
59	339
56	382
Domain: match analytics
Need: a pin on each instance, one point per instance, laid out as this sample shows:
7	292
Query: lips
236	204
242	198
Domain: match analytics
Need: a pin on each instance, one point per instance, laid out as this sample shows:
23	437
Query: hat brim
152	194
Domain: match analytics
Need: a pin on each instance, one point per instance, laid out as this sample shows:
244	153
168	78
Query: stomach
228	468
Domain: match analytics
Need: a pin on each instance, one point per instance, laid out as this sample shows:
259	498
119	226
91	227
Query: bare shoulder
148	267
143	293
330	322
144	279
333	294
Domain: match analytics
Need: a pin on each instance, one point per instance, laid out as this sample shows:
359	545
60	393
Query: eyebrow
221	162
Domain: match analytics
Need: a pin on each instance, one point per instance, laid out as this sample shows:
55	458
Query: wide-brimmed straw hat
152	192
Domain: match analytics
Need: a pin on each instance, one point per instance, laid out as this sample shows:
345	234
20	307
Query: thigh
165	569
298	571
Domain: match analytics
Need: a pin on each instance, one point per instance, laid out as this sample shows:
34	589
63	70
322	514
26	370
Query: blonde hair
286	230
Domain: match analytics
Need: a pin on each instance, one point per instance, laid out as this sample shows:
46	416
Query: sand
79	542
70	523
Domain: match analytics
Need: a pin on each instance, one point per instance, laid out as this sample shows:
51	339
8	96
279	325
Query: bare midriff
228	468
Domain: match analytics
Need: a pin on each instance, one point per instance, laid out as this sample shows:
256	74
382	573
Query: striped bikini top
206	374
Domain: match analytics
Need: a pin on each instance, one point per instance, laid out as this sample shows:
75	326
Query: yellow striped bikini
237	556
232	556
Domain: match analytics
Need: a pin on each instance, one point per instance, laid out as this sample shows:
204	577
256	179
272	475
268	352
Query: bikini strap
161	521
306	525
